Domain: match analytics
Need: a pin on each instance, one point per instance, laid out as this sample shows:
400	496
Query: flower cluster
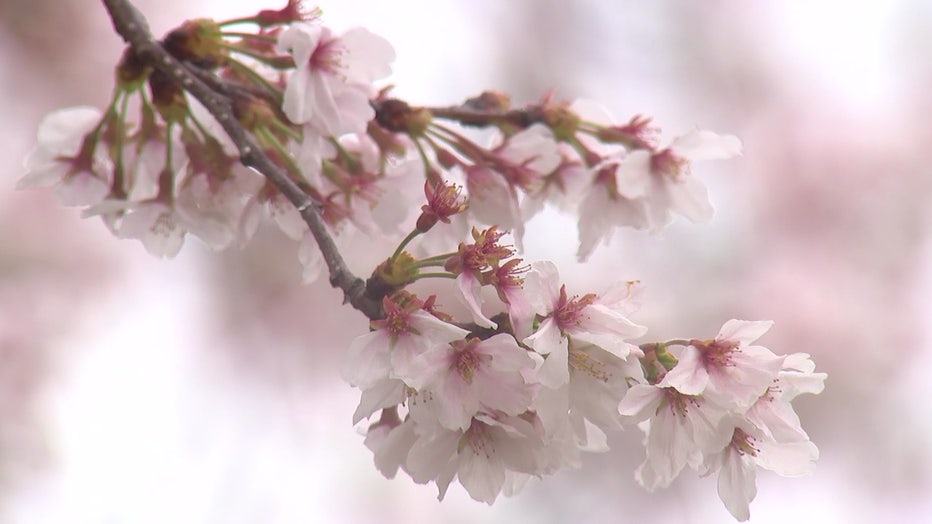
309	97
522	390
723	405
532	375
494	403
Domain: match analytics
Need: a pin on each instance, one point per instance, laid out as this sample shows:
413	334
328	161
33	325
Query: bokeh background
205	389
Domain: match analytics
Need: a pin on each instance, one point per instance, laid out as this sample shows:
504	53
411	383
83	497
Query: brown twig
133	27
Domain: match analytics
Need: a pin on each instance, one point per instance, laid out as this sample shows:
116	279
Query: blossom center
568	312
466	360
584	363
478	439
744	443
669	165
328	57
716	353
678	403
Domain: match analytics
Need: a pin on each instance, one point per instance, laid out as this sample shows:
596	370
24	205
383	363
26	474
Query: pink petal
737	485
706	145
640	402
744	331
689	376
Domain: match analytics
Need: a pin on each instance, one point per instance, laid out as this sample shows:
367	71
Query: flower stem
411	236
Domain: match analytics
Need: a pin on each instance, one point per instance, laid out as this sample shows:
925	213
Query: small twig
484	118
133	27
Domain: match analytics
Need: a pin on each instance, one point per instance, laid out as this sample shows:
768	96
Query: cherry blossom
773	414
391	348
663	180
727	369
465	377
69	157
737	464
157	225
600	320
486	456
521	161
681	429
331	85
527	376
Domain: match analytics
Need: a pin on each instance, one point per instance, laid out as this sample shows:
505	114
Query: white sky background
144	427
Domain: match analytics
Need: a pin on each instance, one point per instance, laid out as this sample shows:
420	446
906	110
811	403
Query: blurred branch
133	27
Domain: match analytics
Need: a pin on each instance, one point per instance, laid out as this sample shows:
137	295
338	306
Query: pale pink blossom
389	351
277	207
729	369
331	85
157	225
600	320
470	295
663	179
578	414
773	414
486	456
465	377
565	187
748	449
213	207
604	209
311	259
390	443
383	394
80	169
521	161
681	429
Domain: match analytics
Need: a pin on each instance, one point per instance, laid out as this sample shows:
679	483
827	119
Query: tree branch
133	27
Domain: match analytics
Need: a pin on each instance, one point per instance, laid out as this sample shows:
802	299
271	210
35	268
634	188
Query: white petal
548	340
295	102
300	40
633	175
368	55
367	360
482	475
744	331
640	402
690	198
791	459
384	394
737	485
431	455
63	131
706	145
390	450
689	376
469	291
42	176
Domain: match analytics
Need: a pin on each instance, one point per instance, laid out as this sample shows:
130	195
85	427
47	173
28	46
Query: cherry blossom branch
133	27
485	110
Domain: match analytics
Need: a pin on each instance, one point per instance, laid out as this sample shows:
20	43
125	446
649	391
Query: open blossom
486	456
600	320
521	161
465	377
681	429
156	224
729	369
389	350
564	187
331	86
65	158
748	450
663	180
773	414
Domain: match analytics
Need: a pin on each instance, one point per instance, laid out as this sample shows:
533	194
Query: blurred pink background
206	390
